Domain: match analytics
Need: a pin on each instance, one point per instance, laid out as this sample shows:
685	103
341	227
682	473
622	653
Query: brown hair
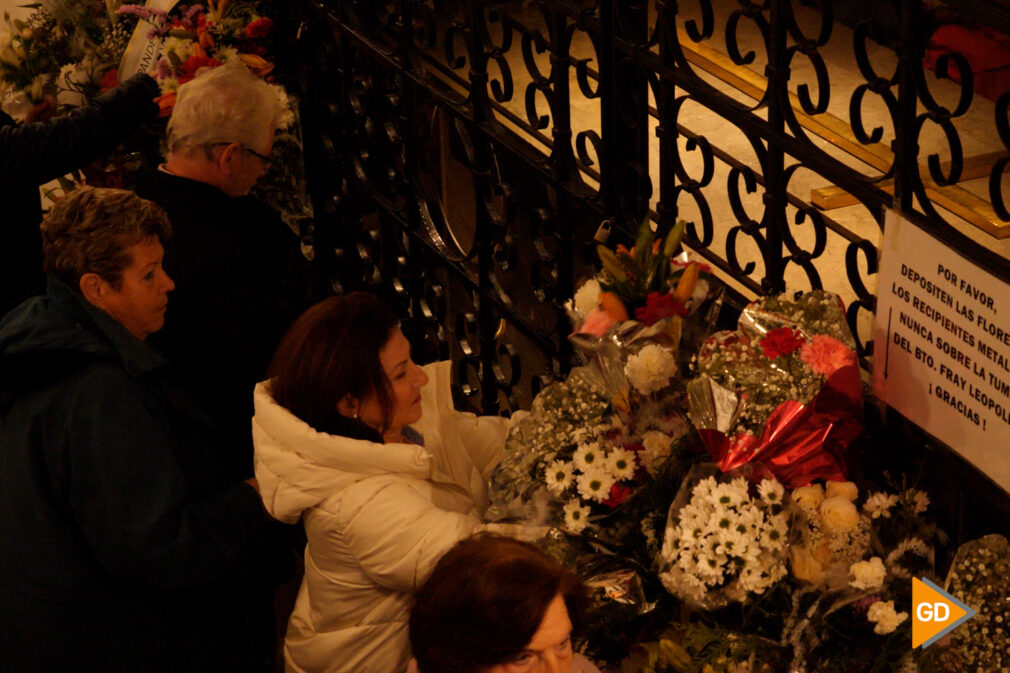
331	351
484	602
92	229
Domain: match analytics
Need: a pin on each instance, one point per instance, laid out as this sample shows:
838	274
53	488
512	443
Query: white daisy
771	491
622	463
702	491
671	543
576	516
581	435
920	501
751	520
752	579
694	517
731	543
559	476
588	456
773	536
595	483
728	495
879	505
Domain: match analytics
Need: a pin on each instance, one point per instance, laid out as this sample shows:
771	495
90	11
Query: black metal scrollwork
1002	116
451	172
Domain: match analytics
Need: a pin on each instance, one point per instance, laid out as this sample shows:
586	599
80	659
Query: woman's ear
92	287
348	406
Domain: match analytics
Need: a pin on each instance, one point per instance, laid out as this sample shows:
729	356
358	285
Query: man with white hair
240	276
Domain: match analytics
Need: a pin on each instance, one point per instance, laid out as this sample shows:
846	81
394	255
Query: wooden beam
829	198
836	131
839	133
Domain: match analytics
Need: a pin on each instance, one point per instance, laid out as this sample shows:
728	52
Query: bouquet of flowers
572	461
724	540
197	36
854	567
980	577
837	597
639	316
782	391
518	487
575	465
63	53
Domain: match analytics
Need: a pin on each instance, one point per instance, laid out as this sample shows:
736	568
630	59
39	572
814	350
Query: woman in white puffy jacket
365	447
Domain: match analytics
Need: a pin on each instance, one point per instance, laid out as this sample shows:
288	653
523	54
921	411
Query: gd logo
936	613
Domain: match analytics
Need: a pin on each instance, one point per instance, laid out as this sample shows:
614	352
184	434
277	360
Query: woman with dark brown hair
497	605
365	447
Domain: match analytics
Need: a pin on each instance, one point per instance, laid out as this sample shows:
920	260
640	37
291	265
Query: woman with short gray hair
122	537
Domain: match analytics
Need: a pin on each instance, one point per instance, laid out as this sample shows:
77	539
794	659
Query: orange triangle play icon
935	613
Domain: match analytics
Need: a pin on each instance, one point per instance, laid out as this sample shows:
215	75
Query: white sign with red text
942	346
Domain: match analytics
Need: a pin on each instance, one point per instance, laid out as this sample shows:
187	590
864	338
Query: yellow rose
809	497
840	514
805	566
822	552
842	489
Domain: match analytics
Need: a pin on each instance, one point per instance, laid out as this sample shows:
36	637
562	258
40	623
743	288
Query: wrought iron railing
463	155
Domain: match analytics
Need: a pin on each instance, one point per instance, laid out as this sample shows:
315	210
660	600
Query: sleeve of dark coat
135	506
42	151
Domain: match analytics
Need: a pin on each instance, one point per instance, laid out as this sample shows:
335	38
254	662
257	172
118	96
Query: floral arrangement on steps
644	310
782	391
844	603
701	484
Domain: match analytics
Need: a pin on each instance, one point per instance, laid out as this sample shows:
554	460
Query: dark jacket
122	545
240	281
33	154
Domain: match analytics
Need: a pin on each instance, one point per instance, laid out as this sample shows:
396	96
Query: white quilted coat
377	517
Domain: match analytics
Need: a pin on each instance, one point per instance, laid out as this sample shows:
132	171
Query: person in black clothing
125	545
240	274
32	154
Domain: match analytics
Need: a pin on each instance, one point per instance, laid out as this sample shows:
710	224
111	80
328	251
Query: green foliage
633	274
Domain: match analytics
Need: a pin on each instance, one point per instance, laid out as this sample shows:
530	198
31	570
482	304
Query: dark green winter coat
121	547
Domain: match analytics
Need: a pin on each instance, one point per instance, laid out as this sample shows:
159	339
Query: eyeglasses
267	161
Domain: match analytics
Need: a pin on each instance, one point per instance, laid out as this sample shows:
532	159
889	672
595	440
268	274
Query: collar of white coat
353	455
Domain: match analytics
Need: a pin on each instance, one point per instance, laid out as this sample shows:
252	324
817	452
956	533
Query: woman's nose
550	663
422	378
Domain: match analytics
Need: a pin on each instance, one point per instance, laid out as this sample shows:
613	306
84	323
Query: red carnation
618	494
258	28
659	306
109	80
188	70
781	341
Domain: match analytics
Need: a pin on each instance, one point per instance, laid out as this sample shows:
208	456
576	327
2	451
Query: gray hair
227	104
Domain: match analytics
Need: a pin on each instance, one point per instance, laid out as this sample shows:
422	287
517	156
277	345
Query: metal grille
463	155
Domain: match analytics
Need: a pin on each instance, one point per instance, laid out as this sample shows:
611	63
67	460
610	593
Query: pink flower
597	323
826	355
